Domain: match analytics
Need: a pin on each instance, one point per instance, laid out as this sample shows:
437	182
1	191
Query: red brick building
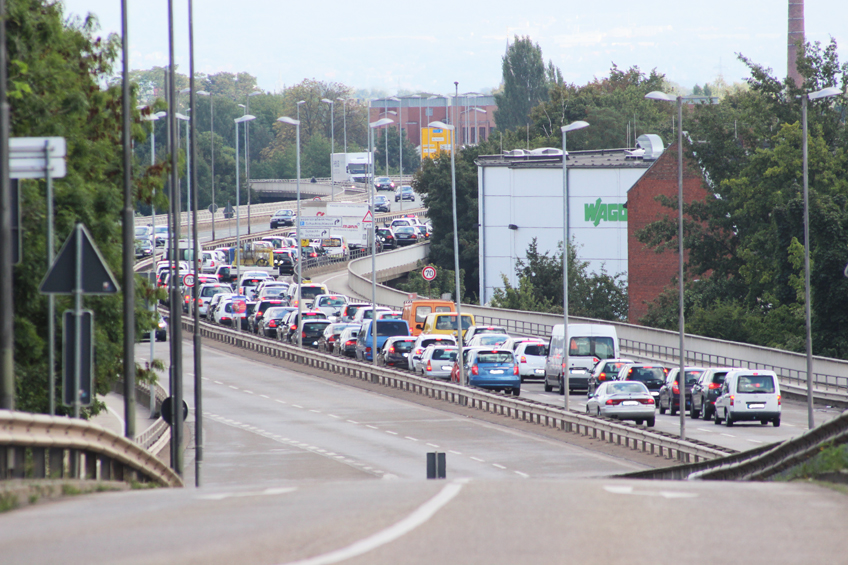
649	273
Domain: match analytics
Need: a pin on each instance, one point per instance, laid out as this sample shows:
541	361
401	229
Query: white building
520	197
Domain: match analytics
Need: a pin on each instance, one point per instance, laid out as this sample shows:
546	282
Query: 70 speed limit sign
429	273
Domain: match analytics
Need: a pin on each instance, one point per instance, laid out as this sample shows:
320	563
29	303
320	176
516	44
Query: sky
426	47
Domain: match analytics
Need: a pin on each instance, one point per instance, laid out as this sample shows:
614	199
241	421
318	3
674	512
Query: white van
748	395
588	344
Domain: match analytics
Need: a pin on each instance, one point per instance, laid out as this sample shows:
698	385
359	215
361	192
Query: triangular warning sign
80	252
368	219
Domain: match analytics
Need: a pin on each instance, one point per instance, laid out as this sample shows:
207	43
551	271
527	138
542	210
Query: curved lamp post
212	148
332	143
242	119
371	126
296	123
565	346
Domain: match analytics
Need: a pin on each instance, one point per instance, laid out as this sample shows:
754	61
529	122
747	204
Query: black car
395	351
284	261
272	319
669	398
287	331
706	391
161	330
331	335
387	236
405	193
311	331
382	204
650	375
226	274
407	235
383	183
255	318
282	218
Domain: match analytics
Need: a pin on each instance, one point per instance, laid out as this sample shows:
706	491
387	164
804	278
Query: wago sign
599	211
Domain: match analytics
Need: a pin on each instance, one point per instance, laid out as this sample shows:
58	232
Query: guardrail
40	446
648	441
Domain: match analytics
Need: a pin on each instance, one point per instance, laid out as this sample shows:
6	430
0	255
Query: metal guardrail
40	446
654	442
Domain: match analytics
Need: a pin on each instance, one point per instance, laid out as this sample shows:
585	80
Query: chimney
796	35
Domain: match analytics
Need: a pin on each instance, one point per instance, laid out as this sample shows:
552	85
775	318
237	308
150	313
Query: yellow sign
435	140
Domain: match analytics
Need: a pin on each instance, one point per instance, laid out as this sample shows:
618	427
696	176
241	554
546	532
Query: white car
623	400
366	313
331	305
437	362
249	281
205	294
748	395
531	356
423	342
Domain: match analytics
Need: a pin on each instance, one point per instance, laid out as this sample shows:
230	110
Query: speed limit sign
429	273
188	280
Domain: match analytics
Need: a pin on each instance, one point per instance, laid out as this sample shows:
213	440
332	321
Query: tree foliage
525	83
746	243
389	138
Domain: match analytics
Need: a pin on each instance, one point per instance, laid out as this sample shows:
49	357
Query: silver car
437	362
623	400
531	357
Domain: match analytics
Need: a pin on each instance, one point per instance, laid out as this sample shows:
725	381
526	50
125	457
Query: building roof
552	158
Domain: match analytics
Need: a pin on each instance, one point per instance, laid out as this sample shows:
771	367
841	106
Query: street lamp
244	118
247	154
332	143
379	123
658	95
344	118
212	147
296	123
823	93
565	345
462	376
476	128
188	180
418	96
400	145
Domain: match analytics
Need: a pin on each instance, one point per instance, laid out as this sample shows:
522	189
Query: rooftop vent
516	153
546	151
652	146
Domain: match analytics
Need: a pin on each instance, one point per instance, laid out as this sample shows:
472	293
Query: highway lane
264	422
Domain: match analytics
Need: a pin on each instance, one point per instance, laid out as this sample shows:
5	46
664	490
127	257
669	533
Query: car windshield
755	384
493	357
626	388
444	355
391	327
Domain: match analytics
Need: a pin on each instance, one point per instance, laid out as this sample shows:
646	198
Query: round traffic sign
213	208
429	273
167	410
188	280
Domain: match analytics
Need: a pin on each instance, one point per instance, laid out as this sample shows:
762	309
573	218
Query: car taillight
714	386
778	400
367	350
293	327
272	324
302	334
602	377
475	370
515	369
523	359
331	339
646	400
731	399
259	313
187	298
613	402
429	366
200	302
350	342
675	389
391	349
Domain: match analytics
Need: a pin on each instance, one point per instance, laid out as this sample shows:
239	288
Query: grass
830	458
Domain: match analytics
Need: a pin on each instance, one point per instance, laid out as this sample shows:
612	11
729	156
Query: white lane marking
204	378
755	441
299	406
372	427
393	433
266	492
790	425
498	466
353	422
522	475
118	416
454	452
248	392
705	430
280	401
236	388
478	459
316	411
264	396
420	516
728	435
218	382
433	445
334	416
618	489
411	438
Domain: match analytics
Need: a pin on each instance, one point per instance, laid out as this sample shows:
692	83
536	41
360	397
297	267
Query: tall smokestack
795	36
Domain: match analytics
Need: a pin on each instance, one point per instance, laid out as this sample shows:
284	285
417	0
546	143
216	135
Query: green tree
444	283
411	160
525	83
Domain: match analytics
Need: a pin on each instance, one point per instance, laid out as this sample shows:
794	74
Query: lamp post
565	345
459	336
332	143
371	126
418	96
400	145
823	93
344	119
244	118
185	119
658	95
212	149
247	155
477	110
296	123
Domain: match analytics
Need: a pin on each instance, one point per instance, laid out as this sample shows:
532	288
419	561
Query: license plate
540	371
406	354
655	393
446	367
496	372
630	403
756	405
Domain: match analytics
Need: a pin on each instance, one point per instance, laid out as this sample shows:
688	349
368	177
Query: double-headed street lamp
823	93
186	119
247	154
658	95
565	345
458	296
243	119
332	143
296	123
400	145
371	126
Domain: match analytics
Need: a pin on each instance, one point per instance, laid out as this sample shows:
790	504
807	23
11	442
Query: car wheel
561	388
589	412
638	422
651	422
705	410
671	409
776	422
548	388
694	414
516	391
662	408
716	420
763	422
728	419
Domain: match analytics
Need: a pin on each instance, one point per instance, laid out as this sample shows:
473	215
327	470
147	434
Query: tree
59	75
525	83
411	160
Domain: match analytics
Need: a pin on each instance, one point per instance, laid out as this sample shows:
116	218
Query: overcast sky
429	45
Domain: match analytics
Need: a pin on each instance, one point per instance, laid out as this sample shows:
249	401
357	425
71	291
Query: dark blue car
494	369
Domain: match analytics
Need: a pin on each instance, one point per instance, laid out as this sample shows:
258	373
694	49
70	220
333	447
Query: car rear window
492	339
444	355
251	282
331	301
432	341
403	345
719	377
276	313
311	291
592	346
494	357
314	326
755	384
540	350
626	388
391	327
449	322
645	374
213	290
421	313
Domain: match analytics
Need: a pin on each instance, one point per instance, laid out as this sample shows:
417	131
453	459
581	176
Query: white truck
350	167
